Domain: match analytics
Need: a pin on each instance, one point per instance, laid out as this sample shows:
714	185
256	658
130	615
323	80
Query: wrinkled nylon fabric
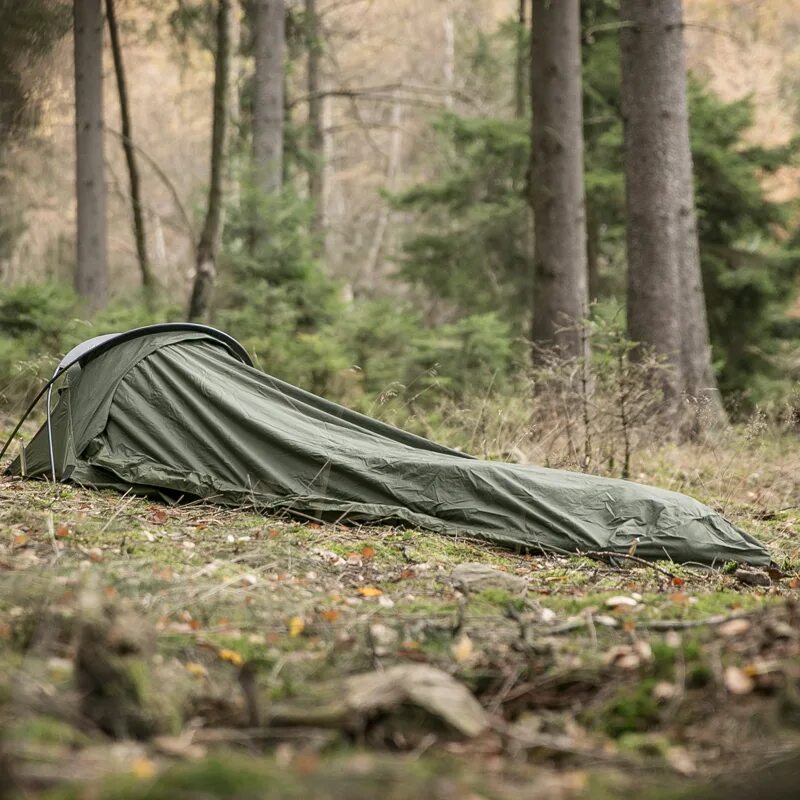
178	413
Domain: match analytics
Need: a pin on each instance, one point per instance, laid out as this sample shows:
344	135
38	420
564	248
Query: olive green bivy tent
177	411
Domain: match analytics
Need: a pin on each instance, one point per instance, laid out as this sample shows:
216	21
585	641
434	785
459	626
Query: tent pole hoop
50	426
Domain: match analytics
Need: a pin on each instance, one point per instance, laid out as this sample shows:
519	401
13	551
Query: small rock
734	627
475	577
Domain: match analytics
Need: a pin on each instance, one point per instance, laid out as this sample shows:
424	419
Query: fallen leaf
679	598
462	648
296	627
62	531
231	656
664	691
196	669
330	615
737	681
143	768
680	760
369	591
643	650
676	581
367	552
621	601
21	540
159	516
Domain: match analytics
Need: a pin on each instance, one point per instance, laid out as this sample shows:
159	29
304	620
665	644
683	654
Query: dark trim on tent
104	343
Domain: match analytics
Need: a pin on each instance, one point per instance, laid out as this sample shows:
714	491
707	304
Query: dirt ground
149	651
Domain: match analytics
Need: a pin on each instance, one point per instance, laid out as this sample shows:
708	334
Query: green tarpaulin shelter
178	410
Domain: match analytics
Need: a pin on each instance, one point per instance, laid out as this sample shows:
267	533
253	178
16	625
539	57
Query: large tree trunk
139	234
268	108
557	189
316	132
666	307
699	381
208	246
91	268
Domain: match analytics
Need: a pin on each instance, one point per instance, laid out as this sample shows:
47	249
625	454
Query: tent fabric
176	413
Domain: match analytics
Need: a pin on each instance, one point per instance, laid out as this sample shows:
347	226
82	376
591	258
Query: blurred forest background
348	186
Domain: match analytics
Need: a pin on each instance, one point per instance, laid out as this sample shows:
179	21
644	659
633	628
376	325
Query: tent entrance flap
180	411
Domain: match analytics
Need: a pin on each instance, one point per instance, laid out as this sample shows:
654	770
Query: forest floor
149	651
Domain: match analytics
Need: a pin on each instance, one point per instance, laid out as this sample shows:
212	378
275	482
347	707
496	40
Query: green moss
632	710
43	729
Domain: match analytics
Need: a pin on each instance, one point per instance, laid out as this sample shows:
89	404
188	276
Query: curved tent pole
30	408
98	345
49	423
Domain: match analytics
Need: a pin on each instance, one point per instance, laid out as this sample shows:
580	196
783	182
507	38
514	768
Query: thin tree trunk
557	189
392	169
268	106
91	269
233	189
316	133
592	255
208	245
666	307
520	60
139	234
449	67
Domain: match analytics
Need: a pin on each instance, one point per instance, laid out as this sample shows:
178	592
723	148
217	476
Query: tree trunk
139	234
557	189
232	187
316	133
91	268
699	381
208	245
268	111
520	60
666	306
449	55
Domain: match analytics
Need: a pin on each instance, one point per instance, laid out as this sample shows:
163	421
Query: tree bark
556	185
520	60
208	245
666	305
91	268
233	188
268	110
316	131
139	233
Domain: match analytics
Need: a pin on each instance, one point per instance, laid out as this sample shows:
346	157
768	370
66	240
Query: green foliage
749	271
467	238
468	242
273	293
40	322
